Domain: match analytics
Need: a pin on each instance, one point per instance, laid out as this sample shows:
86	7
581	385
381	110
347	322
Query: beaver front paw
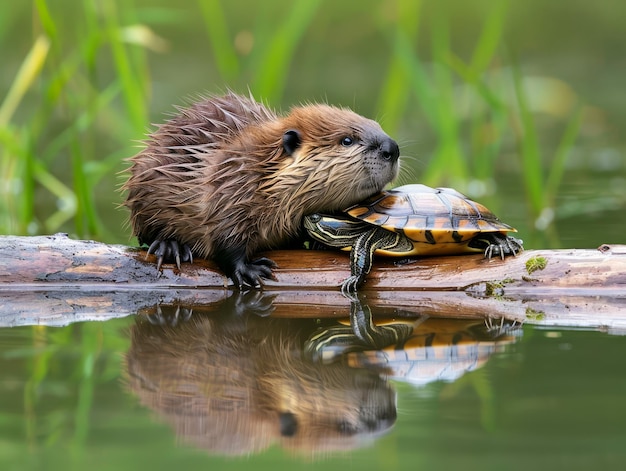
253	273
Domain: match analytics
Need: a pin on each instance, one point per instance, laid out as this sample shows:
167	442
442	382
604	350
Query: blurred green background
518	104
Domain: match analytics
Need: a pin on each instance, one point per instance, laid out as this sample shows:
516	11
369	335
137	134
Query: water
214	389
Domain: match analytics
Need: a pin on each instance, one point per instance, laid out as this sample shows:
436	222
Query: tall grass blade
529	148
276	59
483	55
133	88
220	40
490	38
28	72
420	84
557	169
64	194
448	164
47	22
16	183
393	97
85	220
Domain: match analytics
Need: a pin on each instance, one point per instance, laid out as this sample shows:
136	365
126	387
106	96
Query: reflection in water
236	383
362	333
441	349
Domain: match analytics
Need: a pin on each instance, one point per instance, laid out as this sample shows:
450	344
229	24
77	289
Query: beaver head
331	158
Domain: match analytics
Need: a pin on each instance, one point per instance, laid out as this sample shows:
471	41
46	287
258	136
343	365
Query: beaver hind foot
253	273
170	250
234	264
244	273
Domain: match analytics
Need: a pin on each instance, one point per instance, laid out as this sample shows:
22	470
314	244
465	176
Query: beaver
236	384
227	177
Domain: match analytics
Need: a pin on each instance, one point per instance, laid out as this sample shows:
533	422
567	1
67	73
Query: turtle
411	220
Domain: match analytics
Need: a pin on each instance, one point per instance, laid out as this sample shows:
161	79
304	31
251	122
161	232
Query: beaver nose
390	150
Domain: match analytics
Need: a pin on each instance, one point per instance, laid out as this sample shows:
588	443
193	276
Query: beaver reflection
237	384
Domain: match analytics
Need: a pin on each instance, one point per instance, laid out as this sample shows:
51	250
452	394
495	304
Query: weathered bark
54	279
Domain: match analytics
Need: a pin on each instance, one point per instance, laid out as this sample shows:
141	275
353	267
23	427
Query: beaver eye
347	141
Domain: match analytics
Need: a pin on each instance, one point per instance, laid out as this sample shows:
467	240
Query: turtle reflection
235	380
362	333
441	349
236	384
414	349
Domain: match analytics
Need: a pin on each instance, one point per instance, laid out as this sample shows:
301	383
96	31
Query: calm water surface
127	394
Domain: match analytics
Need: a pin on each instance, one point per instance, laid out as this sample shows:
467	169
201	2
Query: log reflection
234	380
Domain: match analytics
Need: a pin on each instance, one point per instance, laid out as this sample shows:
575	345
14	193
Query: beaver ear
288	424
291	141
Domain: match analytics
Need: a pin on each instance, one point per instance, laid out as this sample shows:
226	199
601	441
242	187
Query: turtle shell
429	215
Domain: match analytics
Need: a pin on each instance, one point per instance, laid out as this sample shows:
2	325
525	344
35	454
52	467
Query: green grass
90	73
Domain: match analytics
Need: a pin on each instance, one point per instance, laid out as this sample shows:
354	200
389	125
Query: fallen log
54	279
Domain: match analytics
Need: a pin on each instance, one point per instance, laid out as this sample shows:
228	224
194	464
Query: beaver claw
253	273
170	250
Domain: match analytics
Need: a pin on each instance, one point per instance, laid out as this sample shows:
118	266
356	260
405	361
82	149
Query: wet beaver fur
236	384
227	177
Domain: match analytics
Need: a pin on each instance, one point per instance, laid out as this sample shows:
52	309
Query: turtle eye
347	141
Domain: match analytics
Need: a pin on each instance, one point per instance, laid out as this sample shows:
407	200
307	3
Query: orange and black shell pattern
430	215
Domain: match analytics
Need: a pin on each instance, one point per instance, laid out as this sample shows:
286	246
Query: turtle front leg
362	334
362	255
372	335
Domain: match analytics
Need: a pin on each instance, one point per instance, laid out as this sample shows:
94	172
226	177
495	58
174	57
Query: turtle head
334	231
